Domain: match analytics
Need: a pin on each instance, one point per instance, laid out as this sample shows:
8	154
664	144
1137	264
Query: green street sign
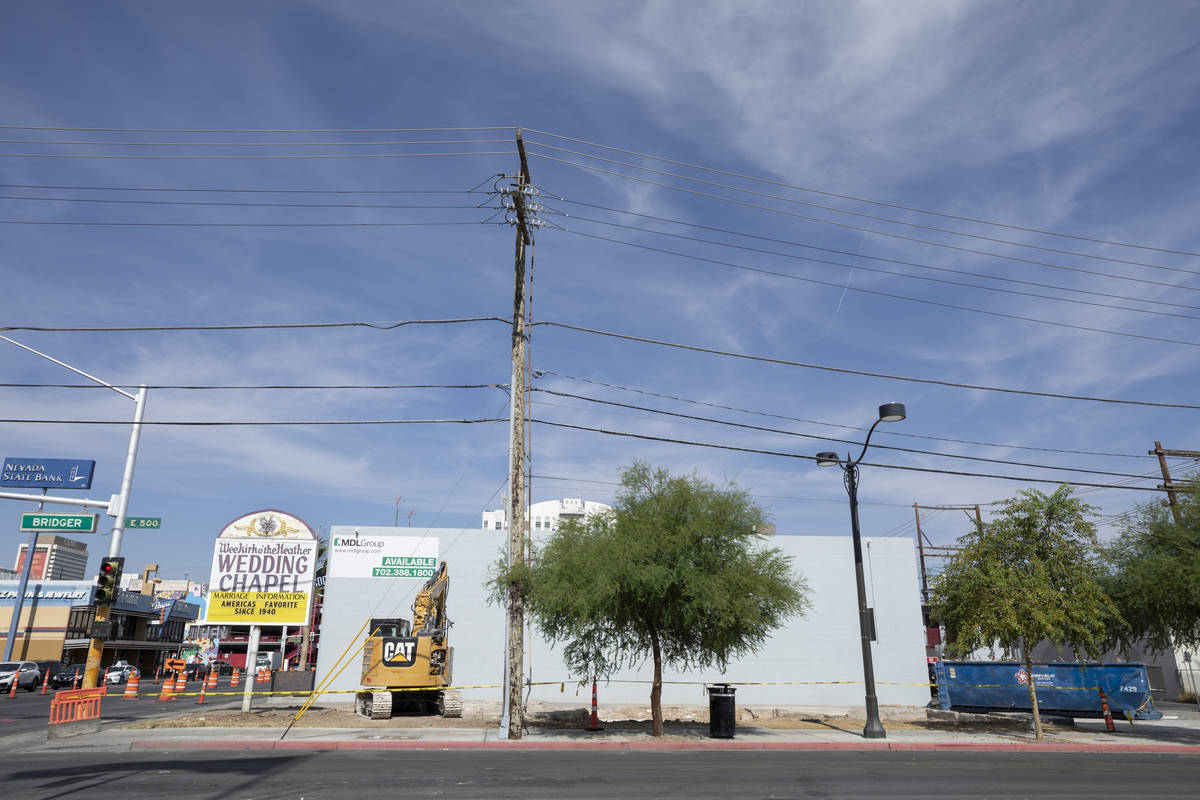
59	523
143	523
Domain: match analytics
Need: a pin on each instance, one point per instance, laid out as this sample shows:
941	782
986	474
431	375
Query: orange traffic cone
45	683
131	688
211	683
157	673
203	690
168	690
75	685
12	690
233	680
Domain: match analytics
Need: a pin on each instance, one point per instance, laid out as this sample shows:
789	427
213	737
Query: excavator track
374	705
449	704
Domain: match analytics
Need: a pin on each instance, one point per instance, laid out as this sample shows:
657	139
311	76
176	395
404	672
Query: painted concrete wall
822	646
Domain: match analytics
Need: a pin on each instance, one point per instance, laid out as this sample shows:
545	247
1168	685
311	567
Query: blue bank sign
47	473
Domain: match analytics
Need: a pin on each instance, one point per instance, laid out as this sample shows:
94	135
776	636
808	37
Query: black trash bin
722	713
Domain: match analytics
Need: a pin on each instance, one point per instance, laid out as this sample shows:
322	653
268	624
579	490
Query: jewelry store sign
262	571
364	555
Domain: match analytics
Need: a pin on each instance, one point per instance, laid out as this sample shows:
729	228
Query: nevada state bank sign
262	571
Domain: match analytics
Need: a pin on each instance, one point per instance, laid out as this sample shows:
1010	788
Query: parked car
120	674
25	674
222	667
65	677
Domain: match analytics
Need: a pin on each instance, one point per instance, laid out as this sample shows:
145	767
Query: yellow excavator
407	666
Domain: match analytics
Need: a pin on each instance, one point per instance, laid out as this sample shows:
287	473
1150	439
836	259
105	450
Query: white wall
821	646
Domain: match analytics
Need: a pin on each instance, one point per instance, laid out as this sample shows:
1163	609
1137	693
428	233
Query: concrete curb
1022	747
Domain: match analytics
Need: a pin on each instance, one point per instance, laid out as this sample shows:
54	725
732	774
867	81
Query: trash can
722	713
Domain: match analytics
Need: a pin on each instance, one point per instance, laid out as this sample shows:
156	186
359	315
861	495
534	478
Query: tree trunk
656	687
1037	716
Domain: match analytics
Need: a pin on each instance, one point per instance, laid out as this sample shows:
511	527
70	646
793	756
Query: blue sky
1074	118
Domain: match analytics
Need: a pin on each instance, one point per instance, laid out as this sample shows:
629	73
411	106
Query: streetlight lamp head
891	412
827	459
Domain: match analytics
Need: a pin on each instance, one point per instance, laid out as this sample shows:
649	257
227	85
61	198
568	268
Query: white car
122	673
25	673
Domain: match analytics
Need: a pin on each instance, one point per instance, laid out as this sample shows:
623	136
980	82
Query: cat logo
399	652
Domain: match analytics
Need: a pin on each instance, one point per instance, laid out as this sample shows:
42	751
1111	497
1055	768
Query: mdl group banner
262	571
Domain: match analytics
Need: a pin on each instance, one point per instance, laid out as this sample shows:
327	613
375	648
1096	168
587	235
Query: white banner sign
366	556
262	571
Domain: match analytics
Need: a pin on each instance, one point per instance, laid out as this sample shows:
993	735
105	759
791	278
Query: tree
1028	574
1154	575
675	572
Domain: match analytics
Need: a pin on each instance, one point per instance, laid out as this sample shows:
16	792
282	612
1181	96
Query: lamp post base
874	728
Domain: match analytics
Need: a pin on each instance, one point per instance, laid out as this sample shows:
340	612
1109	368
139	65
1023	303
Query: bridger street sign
58	523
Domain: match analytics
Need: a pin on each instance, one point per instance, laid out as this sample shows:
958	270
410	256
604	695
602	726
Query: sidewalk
1178	733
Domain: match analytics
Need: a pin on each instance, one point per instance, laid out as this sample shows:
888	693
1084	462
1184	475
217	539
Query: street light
888	412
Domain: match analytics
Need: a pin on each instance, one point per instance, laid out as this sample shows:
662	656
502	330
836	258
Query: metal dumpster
1067	689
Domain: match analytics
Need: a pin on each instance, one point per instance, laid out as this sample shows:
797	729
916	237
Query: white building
815	659
543	517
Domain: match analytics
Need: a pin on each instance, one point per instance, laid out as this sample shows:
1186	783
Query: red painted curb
1018	747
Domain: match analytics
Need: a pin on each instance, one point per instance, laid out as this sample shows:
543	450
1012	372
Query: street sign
143	522
32	521
47	473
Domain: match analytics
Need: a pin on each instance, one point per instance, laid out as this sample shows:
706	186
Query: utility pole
1167	483
513	717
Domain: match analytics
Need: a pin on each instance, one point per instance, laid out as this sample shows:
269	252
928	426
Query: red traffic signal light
107	582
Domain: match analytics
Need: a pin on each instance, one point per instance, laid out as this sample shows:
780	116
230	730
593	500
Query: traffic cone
75	685
12	691
45	683
211	683
181	681
595	724
167	692
131	688
203	690
157	673
233	679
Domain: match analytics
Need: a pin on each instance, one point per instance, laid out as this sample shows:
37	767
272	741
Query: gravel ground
549	716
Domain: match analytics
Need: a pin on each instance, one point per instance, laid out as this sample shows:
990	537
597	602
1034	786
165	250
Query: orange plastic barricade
76	705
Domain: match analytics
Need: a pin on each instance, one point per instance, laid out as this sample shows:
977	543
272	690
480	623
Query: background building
543	517
55	558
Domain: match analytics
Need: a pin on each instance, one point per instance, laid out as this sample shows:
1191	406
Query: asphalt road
581	775
26	714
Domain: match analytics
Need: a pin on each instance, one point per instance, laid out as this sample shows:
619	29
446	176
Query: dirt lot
549	716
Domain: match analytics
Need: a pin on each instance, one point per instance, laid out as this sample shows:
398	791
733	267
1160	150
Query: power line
258	386
382	326
903	274
840	441
872	217
254	423
231	156
878	293
901	262
230	191
245	224
865	373
258	130
257	144
806	457
862	229
121	201
867	200
836	425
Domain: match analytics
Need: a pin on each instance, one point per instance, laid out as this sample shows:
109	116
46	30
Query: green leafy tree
676	572
1154	575
1028	574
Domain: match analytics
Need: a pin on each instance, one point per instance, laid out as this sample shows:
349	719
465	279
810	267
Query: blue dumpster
1068	689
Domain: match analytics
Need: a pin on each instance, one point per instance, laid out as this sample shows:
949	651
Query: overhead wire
229	204
260	386
255	423
850	253
382	326
872	217
857	199
762	429
362	143
875	231
891	295
230	190
253	156
806	457
836	425
260	130
865	373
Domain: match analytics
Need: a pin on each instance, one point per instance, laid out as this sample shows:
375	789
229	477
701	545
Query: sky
991	195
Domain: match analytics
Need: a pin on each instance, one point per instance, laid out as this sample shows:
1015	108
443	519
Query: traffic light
108	581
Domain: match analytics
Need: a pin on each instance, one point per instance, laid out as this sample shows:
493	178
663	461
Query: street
576	774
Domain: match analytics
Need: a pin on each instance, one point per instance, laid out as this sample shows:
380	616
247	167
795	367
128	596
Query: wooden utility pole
515	652
1170	486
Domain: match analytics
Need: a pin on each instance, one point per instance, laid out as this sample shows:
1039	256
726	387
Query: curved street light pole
889	412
